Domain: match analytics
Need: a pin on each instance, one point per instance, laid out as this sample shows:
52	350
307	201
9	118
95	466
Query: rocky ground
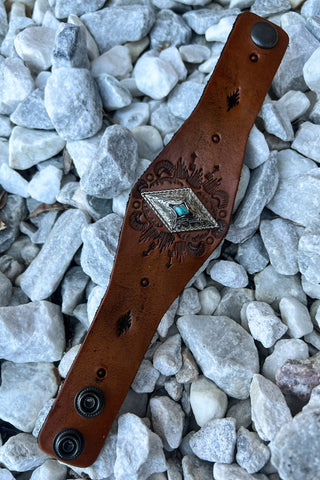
229	388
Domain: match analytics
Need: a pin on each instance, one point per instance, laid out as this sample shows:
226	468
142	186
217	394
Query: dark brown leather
153	265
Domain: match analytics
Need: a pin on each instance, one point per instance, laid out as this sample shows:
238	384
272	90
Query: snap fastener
264	35
89	402
68	444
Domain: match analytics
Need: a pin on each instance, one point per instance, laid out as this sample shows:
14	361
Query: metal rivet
264	35
254	57
101	373
68	444
89	402
145	282
216	138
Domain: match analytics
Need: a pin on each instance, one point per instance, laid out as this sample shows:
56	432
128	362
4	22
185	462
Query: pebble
70	47
94	300
5	474
265	8
146	378
45	184
268	407
114	168
310	8
262	187
135	403
81	314
252	254
33	332
167	420
100	241
145	447
113	94
169	29
215	441
62	8
72	289
92	48
218	343
5	126
294	449
264	324
291	201
31	112
232	301
281	239
167	358
295	103
12	181
308	254
307	141
289	75
292	164
21	453
149	141
162	119
46	271
25	388
83	152
203	18
73	103
154	76
189	372
5	291
174	389
189	302
223	471
221	31
194	468
129	23
12	214
313	25
184	98
194	53
173	56
209	299
296	316
16	83
229	273
241	412
67	360
276	121
50	470
284	350
242	187
34	45
271	286
28	147
252	454
11	268
257	150
311	289
134	115
116	62
298	378
207	401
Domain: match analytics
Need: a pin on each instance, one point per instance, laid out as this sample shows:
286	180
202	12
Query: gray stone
265	8
169	29
310	8
289	75
113	94
242	187
33	332
44	223
296	316
67	360
284	350
257	150
295	103
276	121
145	447
209	299
311	289
21	453
313	25
154	76
5	290
100	241
167	421
28	147
46	271
252	254
62	8
225	352
25	388
94	301
164	121
207	401
174	389
308	254
281	239
92	48
31	112
16	83
10	267
16	25
5	126
167	358
294	450
268	407
173	56
203	18
315	113
229	273
223	471
252	454
189	371
12	181
4	473
264	324
12	214
116	62
70	47
241	412
34	46
3	22
114	168
189	302
146	378
271	286
83	152
291	164
184	98
45	185
215	441
194	53
238	234
134	403
129	23
307	141
73	103
193	468
149	141
221	31
72	289
262	187
133	115
50	470
43	413
291	201
232	301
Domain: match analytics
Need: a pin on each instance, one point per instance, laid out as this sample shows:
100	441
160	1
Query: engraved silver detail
163	202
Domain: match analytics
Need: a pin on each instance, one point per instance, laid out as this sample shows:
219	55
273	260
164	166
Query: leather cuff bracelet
177	214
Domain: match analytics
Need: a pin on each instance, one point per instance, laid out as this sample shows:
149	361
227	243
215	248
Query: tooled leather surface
152	264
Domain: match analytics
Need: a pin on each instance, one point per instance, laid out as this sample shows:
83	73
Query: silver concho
180	210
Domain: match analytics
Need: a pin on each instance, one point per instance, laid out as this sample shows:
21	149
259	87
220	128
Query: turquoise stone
181	210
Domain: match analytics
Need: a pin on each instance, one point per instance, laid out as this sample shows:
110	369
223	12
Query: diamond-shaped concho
180	210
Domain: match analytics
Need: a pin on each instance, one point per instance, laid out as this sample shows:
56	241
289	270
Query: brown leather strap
177	214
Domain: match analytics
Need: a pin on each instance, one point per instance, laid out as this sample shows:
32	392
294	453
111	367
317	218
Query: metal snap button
264	35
